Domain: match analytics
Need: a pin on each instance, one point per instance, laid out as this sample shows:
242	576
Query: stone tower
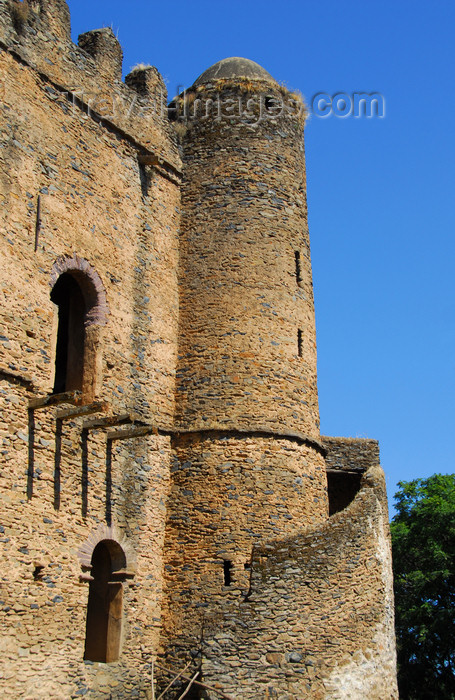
246	393
249	478
168	505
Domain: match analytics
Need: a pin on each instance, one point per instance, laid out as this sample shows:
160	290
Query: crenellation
147	82
89	78
351	454
54	16
167	500
104	47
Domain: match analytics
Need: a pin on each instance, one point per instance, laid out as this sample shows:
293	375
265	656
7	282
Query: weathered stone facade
167	498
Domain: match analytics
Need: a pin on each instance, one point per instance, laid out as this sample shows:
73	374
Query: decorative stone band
91	286
216	431
113	534
253	431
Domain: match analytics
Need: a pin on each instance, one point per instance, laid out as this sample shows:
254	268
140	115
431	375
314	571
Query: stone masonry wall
250	466
350	454
318	619
57	152
347	459
65	487
229	494
43	600
92	73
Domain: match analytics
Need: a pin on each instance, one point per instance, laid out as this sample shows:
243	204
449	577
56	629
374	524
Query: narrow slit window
298	268
144	176
227	566
300	343
270	103
38	572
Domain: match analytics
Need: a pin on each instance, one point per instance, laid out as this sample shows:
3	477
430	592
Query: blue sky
380	192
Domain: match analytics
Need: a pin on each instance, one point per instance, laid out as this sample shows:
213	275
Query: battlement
355	455
37	32
349	461
104	47
51	17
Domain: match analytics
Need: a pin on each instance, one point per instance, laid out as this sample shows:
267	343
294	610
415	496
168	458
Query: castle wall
106	214
318	619
44	588
350	454
229	493
52	149
189	448
40	36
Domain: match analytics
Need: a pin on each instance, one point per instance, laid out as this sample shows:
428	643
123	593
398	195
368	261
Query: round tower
249	466
247	334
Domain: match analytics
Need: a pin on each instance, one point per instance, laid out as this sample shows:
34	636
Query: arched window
105	603
81	300
69	356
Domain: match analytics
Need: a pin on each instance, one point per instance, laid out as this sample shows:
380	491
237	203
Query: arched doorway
105	603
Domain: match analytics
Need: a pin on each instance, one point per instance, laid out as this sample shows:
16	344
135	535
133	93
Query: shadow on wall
342	488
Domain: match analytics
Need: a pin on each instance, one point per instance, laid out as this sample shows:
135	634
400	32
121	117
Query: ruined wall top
38	33
351	454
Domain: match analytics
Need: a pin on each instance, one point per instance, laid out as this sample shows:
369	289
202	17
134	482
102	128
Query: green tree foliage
423	544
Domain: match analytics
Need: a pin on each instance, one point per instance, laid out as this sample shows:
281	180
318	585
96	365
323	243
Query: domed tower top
234	68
